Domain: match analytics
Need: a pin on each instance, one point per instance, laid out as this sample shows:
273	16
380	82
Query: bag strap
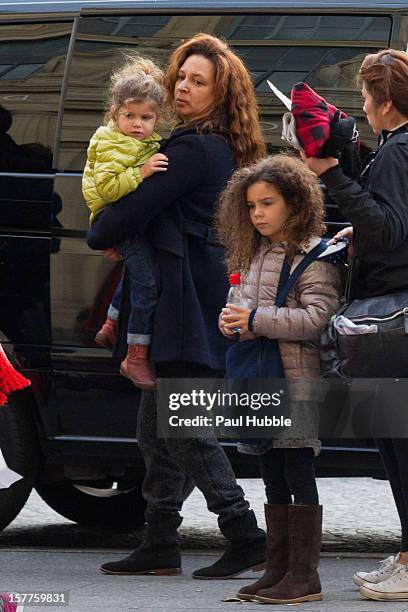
287	280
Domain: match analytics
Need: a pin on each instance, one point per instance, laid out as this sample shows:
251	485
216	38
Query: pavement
76	572
359	515
42	552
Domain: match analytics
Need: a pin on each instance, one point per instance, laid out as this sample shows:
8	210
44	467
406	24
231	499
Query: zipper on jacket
404	312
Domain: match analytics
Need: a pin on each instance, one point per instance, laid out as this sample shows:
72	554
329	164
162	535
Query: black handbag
382	353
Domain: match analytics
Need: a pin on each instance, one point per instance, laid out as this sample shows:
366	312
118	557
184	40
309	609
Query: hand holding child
112	254
157	163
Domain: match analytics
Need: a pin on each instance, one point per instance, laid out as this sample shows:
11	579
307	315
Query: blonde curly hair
301	191
234	112
137	80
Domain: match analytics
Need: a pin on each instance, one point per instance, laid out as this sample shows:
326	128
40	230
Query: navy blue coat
175	209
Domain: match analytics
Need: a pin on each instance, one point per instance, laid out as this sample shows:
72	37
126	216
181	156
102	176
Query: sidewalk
42	551
359	515
92	591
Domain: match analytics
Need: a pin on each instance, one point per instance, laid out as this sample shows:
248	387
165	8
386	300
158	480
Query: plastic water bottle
235	292
235	295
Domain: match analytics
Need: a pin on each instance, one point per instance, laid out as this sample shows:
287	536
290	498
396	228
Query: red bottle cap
235	279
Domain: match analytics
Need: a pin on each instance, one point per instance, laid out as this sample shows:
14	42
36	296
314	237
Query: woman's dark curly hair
301	191
234	112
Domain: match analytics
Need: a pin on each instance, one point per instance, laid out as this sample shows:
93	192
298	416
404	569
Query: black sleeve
381	213
186	170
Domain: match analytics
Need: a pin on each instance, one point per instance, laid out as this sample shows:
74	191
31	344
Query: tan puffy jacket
309	306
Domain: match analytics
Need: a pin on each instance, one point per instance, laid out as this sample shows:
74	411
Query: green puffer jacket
113	166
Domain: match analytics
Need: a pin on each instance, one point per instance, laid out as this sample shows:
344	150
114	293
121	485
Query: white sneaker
395	588
387	567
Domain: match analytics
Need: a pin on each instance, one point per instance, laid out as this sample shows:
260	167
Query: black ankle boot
158	554
245	550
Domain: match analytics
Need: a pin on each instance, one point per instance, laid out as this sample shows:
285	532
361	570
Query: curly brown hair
234	112
301	191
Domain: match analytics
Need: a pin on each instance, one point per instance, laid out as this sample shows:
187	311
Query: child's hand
157	163
235	317
112	254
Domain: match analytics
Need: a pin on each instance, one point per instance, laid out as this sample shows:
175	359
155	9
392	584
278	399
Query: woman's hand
157	163
346	232
319	165
234	318
112	254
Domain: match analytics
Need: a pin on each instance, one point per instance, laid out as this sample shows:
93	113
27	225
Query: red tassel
10	379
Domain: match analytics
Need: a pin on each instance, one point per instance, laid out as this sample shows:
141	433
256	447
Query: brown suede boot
301	582
106	336
276	516
136	367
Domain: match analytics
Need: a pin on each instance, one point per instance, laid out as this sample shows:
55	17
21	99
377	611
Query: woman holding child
213	97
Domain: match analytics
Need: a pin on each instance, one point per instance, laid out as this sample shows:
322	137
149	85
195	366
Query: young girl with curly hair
121	155
271	217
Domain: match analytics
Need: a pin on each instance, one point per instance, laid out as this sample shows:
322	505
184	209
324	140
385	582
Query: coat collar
155	137
385	134
192	128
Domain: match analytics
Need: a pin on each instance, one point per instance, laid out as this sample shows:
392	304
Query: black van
72	434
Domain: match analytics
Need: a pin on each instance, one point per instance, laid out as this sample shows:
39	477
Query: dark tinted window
31	71
323	50
310	27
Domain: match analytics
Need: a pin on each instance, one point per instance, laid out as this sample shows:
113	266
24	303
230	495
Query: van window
325	51
31	71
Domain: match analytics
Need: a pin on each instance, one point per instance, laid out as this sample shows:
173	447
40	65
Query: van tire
20	450
81	503
71	500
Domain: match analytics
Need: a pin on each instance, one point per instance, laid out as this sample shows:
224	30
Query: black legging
394	453
287	472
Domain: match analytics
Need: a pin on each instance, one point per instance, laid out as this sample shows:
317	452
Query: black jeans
287	472
169	461
394	453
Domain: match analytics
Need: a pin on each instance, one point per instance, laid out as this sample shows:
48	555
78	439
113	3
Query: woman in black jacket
377	207
213	96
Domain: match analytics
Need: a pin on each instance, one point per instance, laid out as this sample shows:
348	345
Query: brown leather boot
106	336
276	516
301	582
136	367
